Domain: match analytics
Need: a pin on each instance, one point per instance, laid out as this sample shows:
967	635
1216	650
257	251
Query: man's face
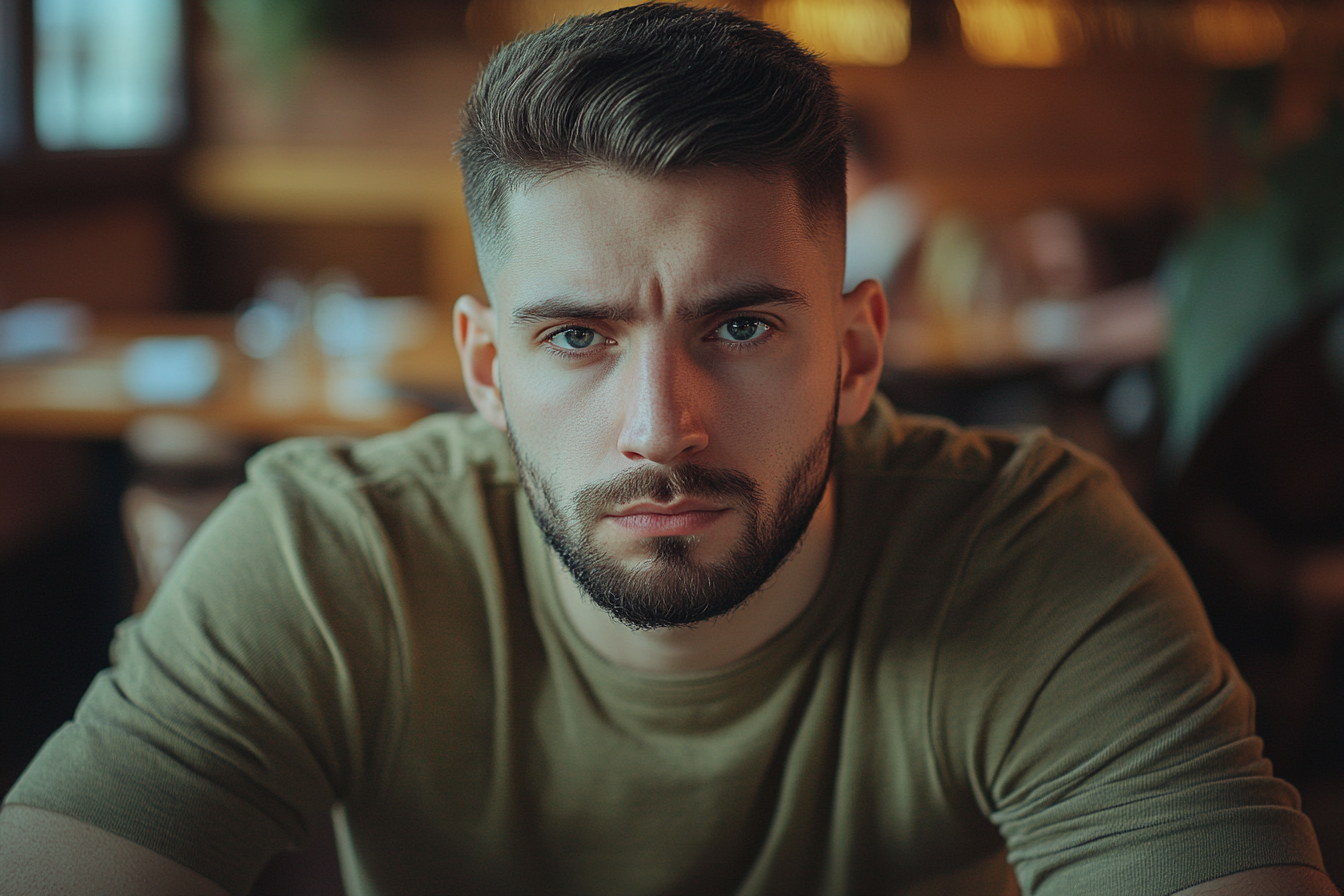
669	353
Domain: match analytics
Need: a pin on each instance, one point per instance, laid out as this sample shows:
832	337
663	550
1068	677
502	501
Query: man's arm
44	852
1280	880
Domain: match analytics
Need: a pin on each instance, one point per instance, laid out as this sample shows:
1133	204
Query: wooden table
81	395
1113	329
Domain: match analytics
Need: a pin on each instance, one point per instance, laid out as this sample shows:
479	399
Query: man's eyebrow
568	308
741	297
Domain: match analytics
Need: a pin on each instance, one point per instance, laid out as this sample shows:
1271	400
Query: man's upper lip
682	506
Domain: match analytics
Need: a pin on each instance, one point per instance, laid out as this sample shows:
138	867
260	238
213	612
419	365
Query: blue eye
575	338
742	329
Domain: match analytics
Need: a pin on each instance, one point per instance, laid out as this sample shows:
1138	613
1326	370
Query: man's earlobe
474	333
864	327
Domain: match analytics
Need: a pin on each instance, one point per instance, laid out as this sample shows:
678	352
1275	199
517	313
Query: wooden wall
1116	138
1108	137
111	253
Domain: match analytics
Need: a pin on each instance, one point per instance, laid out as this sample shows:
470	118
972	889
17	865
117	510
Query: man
685	609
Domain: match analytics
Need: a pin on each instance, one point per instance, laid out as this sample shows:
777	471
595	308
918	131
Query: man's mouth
684	517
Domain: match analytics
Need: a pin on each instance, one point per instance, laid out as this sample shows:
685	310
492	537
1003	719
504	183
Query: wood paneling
110	254
1109	137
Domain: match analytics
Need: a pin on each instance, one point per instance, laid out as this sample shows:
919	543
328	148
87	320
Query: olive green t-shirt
1005	672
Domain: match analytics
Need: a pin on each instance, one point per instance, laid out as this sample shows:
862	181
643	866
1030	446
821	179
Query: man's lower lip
649	525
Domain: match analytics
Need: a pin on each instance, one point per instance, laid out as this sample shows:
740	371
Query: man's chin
670	589
665	611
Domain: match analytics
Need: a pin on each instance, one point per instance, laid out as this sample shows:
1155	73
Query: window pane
11	106
108	73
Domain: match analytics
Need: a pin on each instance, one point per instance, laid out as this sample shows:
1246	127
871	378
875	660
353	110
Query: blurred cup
269	323
43	327
170	369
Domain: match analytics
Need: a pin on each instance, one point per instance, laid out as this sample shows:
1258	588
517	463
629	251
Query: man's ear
474	333
863	323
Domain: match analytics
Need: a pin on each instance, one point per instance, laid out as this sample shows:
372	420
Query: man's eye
742	329
575	338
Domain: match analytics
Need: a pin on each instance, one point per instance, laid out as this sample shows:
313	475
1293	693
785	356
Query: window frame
29	171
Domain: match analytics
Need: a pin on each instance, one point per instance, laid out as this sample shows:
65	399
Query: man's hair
648	90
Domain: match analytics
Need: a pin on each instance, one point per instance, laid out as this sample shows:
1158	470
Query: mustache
666	485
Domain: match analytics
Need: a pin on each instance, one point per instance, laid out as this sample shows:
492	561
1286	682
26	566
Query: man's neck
719	641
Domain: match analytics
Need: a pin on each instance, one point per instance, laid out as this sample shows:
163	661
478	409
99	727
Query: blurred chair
184	471
158	523
1257	513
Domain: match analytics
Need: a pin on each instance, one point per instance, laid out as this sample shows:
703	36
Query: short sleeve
1104	730
248	698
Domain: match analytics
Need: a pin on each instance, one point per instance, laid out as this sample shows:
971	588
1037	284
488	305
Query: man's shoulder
436	451
1019	519
894	444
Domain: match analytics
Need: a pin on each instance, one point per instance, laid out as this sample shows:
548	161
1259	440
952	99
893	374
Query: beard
670	588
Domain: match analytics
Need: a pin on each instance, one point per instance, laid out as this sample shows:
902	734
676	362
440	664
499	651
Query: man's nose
662	396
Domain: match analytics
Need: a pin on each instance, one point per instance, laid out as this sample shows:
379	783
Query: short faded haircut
649	90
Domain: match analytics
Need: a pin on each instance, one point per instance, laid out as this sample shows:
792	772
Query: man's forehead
593	228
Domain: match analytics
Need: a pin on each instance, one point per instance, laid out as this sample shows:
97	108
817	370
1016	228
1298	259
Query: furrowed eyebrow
566	308
571	309
744	297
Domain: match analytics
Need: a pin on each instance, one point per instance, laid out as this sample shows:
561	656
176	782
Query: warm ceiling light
1236	33
1030	33
857	32
491	22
